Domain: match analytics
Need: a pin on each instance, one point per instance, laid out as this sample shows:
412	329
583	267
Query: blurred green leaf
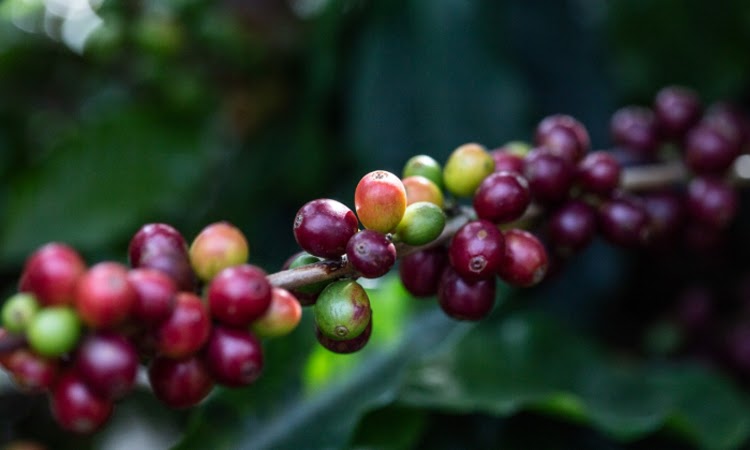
103	181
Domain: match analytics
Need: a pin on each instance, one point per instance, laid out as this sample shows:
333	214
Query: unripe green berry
18	311
342	311
422	223
54	331
467	166
426	166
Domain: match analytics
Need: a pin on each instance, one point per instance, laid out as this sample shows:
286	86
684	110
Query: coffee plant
358	224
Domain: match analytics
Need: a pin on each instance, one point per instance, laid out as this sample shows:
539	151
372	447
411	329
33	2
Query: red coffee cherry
76	408
186	329
104	295
380	201
108	364
465	300
159	246
155	292
180	383
599	173
526	260
234	357
371	253
502	197
218	246
477	250
564	136
238	295
51	274
420	271
30	371
323	227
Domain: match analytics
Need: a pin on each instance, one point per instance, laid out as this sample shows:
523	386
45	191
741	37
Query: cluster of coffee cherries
84	331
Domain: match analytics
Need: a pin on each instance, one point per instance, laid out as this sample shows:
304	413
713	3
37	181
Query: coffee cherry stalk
195	315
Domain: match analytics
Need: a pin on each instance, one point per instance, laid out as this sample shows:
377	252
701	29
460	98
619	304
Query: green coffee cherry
54	331
467	166
18	311
310	289
422	223
342	311
425	166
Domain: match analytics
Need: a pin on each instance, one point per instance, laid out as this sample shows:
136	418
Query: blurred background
116	114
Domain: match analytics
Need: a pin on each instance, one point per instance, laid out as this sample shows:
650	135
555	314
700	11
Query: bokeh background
115	114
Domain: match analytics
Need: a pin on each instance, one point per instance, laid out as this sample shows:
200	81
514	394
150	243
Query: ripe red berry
76	408
465	300
708	151
711	201
677	109
234	357
323	227
624	221
51	274
159	246
666	212
371	253
30	371
599	173
108	364
502	197
281	317
238	295
104	295
550	176
509	157
564	136
380	201
477	250
526	261
635	128
572	226
186	329
155	293
420	271
180	383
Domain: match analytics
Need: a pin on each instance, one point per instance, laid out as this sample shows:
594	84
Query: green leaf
99	184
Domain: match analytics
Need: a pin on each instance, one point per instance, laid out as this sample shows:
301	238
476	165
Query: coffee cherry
422	223
238	295
635	128
159	246
465	169
186	329
51	274
729	121
711	201
233	357
507	160
465	300
18	311
666	212
426	166
155	293
30	371
624	221
180	383
308	294
677	109
598	173
54	331
477	250
525	263
563	136
323	227
345	346
108	364
550	176
217	246
572	226
421	189
708	151
76	408
380	201
281	317
502	197
104	296
343	310
371	253
420	271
